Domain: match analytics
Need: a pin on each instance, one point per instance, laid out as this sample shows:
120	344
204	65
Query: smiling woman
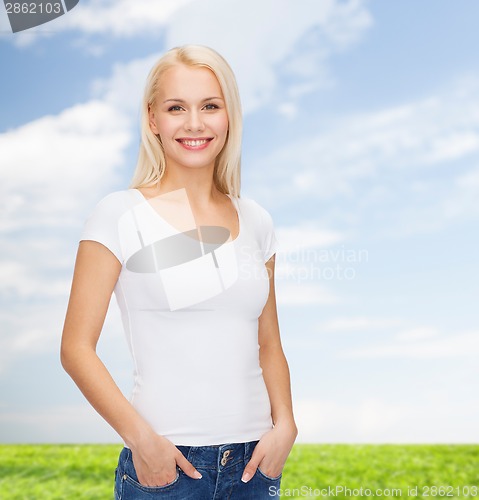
220	91
190	122
192	267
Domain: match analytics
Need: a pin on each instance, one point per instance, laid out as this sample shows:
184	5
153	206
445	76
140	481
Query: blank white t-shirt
190	302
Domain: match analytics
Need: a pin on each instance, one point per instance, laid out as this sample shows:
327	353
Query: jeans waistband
218	456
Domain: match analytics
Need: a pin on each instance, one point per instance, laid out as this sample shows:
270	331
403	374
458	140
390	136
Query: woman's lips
195	144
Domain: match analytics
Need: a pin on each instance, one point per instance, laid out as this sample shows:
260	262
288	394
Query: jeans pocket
129	476
270	478
133	481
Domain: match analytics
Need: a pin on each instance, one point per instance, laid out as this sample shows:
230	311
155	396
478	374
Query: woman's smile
197	144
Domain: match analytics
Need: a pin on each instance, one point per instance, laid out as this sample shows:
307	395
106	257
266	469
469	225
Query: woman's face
190	117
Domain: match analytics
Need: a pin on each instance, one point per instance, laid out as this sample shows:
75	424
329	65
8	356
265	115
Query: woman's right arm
96	272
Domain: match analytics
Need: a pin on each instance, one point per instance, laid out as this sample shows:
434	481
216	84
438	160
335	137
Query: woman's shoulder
117	198
115	203
250	206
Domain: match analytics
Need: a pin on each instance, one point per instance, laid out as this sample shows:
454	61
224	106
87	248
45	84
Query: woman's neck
198	184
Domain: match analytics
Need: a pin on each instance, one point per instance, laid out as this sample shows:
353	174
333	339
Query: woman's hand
271	452
155	461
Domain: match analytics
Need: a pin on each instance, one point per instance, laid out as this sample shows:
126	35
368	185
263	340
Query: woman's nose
194	122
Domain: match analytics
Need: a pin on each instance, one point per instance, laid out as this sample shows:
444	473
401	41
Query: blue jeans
221	467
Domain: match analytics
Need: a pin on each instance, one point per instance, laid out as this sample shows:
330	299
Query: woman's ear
151	118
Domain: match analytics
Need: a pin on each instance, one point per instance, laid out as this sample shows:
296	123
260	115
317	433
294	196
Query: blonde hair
151	162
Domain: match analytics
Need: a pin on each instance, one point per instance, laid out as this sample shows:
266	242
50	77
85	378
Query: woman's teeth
194	143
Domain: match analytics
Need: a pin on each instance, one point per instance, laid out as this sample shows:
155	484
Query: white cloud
288	109
61	159
309	256
122	18
306	235
314	30
33	328
417	135
303	35
422	344
373	161
461	202
24	281
118	18
54	169
359	323
303	294
297	44
29	331
75	423
53	172
123	88
372	420
418	333
269	50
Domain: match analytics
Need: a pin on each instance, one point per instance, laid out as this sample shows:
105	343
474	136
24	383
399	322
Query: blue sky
361	139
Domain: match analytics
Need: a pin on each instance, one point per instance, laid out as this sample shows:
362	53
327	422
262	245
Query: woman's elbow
73	353
66	355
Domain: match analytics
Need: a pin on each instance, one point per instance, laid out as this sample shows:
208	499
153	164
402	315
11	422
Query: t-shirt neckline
233	201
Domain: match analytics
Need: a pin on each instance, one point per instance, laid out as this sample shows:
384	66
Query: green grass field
67	472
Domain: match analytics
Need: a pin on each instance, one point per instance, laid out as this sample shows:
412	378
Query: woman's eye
174	108
211	106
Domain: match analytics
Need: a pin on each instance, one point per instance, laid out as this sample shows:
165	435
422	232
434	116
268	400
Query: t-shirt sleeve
269	240
270	245
102	225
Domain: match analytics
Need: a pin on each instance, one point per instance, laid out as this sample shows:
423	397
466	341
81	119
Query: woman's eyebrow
182	101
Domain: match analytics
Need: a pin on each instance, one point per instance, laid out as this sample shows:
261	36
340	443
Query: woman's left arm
272	450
